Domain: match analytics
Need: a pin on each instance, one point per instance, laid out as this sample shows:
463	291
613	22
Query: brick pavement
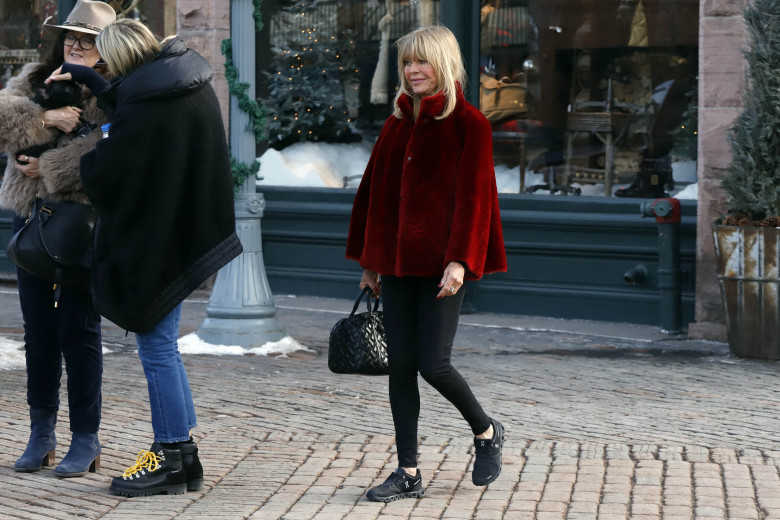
599	426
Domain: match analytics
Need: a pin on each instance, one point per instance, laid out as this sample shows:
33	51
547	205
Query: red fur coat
428	196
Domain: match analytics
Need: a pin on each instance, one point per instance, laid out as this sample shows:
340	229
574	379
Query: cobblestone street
603	421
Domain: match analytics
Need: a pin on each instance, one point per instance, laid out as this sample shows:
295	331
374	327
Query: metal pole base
246	333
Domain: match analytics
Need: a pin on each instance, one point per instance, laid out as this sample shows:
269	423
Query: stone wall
203	24
721	75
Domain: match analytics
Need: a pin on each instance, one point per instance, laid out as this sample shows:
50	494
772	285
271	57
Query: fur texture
55	95
20	128
428	196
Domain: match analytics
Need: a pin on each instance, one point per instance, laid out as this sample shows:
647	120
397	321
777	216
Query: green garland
258	15
242	171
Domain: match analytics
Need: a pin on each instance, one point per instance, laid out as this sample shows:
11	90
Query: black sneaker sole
492	478
178	489
399	496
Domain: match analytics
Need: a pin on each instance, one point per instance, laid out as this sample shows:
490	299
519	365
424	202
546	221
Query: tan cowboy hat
88	16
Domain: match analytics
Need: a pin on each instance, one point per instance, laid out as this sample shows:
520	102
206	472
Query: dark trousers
72	331
420	331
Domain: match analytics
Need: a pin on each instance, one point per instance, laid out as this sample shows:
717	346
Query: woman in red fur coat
425	218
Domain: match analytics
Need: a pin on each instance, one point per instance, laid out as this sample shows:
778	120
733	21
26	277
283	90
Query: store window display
583	96
600	90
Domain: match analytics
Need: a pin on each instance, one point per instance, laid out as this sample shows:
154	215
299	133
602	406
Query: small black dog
55	95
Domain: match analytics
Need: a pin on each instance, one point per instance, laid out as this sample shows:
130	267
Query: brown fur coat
20	127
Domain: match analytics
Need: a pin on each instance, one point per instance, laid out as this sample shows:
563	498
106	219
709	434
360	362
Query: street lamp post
241	309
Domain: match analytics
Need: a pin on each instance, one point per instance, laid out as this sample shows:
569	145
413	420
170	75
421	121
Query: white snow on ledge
192	344
324	165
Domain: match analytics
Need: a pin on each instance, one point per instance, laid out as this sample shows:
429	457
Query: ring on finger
452	289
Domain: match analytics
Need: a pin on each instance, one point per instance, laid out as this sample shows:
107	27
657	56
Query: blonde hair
437	45
125	45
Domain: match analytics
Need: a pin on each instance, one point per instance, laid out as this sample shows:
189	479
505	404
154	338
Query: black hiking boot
156	471
191	464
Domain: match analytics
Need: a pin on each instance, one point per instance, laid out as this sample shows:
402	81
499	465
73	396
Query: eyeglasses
85	42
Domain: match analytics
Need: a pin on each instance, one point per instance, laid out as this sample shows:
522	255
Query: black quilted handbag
56	244
357	343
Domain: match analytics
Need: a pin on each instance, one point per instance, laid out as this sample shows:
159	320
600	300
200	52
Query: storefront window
327	84
20	33
591	97
585	97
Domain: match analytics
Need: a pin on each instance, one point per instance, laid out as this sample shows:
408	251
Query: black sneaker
158	470
398	485
191	464
487	464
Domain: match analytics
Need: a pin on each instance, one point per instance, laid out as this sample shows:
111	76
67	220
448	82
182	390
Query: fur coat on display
162	186
428	196
20	128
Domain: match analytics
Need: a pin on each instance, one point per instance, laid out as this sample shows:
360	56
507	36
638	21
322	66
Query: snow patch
690	191
322	165
192	344
11	354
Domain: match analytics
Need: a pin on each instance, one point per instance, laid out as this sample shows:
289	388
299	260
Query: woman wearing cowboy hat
72	329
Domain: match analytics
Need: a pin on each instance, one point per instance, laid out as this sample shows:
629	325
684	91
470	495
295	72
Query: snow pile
690	191
319	165
192	344
324	165
11	354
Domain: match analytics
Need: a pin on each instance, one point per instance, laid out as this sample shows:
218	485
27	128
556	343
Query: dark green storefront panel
566	255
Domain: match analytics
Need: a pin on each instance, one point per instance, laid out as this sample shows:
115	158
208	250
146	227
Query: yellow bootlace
145	460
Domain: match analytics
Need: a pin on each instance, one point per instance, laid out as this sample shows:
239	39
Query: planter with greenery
747	239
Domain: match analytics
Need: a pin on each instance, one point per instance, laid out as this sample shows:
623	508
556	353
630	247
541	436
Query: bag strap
367	292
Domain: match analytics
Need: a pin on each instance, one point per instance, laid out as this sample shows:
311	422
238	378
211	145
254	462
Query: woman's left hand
452	280
31	168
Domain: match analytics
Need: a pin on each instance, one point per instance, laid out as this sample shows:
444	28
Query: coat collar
431	106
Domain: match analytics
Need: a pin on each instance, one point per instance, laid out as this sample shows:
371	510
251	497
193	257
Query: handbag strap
366	291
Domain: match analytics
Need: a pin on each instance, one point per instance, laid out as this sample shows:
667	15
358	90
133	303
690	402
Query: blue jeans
170	398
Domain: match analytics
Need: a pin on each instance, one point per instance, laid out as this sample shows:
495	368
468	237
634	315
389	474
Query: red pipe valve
665	211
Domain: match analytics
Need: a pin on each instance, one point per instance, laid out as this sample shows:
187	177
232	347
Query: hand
31	168
64	118
371	279
57	75
452	280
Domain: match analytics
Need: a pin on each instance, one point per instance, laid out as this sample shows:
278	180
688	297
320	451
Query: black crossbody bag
55	244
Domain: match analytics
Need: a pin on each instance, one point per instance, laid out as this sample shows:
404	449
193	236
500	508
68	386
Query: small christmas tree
306	81
753	178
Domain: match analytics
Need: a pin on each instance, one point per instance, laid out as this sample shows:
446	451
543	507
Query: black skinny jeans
72	331
420	331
